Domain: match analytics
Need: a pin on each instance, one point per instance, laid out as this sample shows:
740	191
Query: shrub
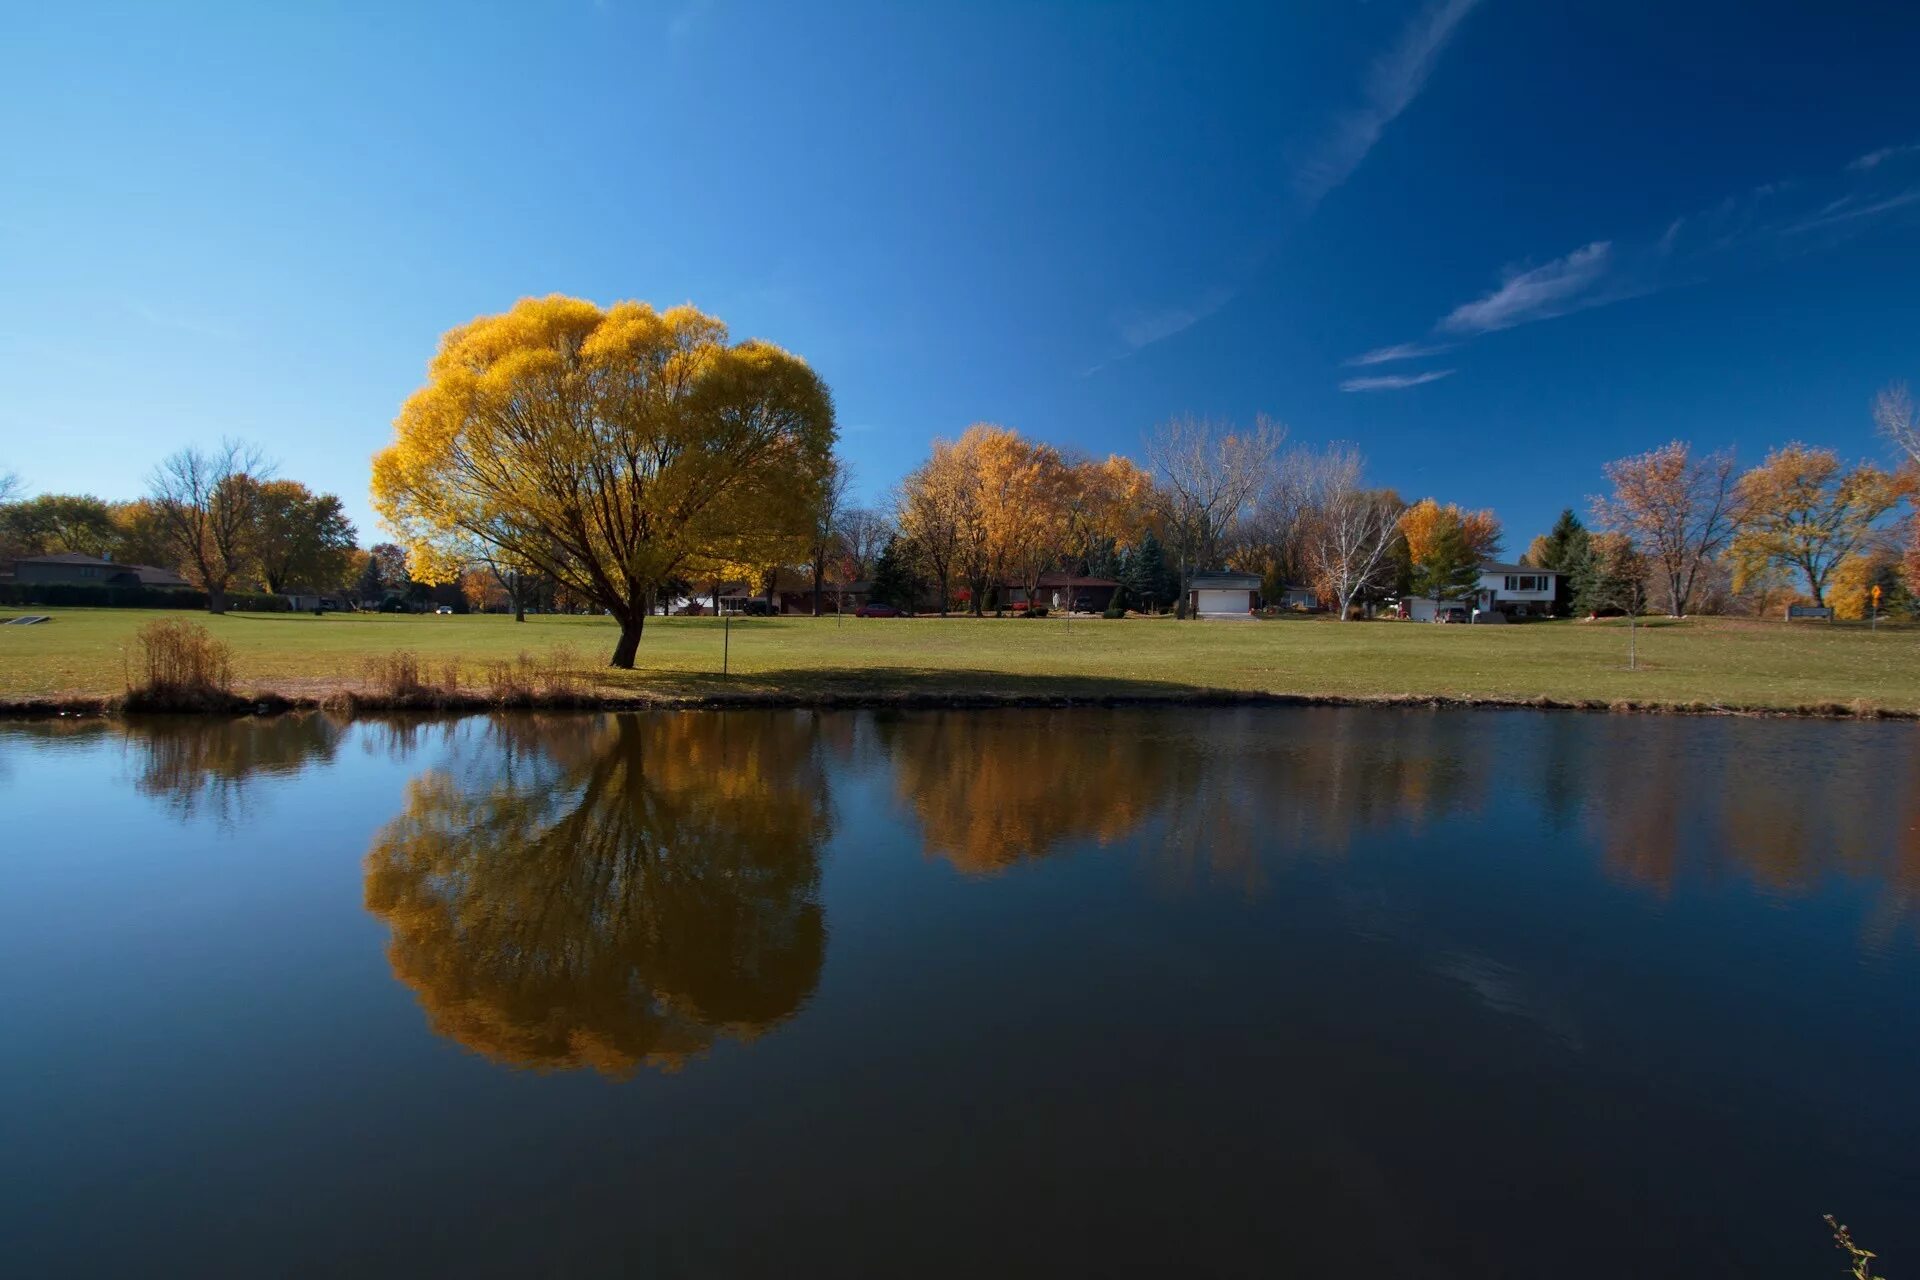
1114	611
182	667
1037	611
529	680
398	675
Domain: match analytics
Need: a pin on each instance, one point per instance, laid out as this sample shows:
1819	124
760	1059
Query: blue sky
1594	226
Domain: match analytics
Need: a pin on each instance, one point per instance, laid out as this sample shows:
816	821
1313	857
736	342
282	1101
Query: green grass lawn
1731	663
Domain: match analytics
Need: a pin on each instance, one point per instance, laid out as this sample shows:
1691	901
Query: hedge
76	595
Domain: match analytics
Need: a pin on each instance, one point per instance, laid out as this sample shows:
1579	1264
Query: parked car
874	609
445	608
1451	613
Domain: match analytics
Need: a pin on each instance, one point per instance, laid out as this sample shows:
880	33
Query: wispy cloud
1874	159
1554	289
1393	82
1399	351
1845	210
1144	328
1395	381
1771	221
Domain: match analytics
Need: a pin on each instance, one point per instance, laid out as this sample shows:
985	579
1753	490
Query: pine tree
894	582
1145	574
1567	547
1103	559
1450	570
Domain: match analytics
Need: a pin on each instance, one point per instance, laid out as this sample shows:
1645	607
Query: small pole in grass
726	639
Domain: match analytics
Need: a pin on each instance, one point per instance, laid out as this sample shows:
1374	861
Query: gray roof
1225	578
1495	566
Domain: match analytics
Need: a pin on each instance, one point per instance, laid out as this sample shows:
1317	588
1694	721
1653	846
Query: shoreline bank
351	702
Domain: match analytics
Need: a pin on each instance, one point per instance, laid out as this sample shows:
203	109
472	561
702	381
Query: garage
1223	594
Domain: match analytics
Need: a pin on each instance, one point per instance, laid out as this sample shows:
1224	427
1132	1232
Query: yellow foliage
608	449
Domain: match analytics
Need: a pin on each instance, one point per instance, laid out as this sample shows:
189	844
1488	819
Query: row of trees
217	517
1701	533
992	507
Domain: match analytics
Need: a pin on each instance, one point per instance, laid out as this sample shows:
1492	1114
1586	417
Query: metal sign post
726	639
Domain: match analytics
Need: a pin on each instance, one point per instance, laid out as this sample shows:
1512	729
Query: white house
1222	595
1516	590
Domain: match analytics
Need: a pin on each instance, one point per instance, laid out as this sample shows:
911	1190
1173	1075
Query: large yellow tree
606	448
1807	511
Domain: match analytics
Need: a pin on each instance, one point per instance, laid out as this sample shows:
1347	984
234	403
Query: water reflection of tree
992	790
611	892
1782	806
202	767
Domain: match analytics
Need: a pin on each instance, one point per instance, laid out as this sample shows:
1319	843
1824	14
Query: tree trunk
943	593
629	645
216	599
819	571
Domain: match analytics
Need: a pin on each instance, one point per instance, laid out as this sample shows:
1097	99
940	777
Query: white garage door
1223	601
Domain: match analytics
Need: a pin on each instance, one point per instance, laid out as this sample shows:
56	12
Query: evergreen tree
1103	559
1145	575
1450	570
894	581
1567	547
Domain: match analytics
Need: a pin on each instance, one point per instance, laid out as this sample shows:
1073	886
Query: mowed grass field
89	652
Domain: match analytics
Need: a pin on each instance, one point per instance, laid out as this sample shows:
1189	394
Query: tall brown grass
400	680
181	666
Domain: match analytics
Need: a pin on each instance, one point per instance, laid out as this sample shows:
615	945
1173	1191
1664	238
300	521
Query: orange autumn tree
938	516
1024	492
607	449
1680	509
1446	545
1808	512
1108	500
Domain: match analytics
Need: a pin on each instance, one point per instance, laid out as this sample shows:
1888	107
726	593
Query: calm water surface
1264	993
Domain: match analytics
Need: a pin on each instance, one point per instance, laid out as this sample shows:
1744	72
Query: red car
874	609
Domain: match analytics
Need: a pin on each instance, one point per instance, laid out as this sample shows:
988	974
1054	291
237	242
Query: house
310	602
1222	594
70	568
792	593
1294	596
1065	591
1515	590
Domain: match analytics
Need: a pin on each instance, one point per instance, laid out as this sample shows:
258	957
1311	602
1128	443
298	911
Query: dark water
1261	993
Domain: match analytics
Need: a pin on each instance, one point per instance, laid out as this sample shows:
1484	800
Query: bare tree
207	500
827	514
1206	478
1680	510
1275	532
863	531
11	485
1894	412
1348	531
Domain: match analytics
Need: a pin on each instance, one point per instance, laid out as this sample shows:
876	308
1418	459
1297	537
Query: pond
1073	992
